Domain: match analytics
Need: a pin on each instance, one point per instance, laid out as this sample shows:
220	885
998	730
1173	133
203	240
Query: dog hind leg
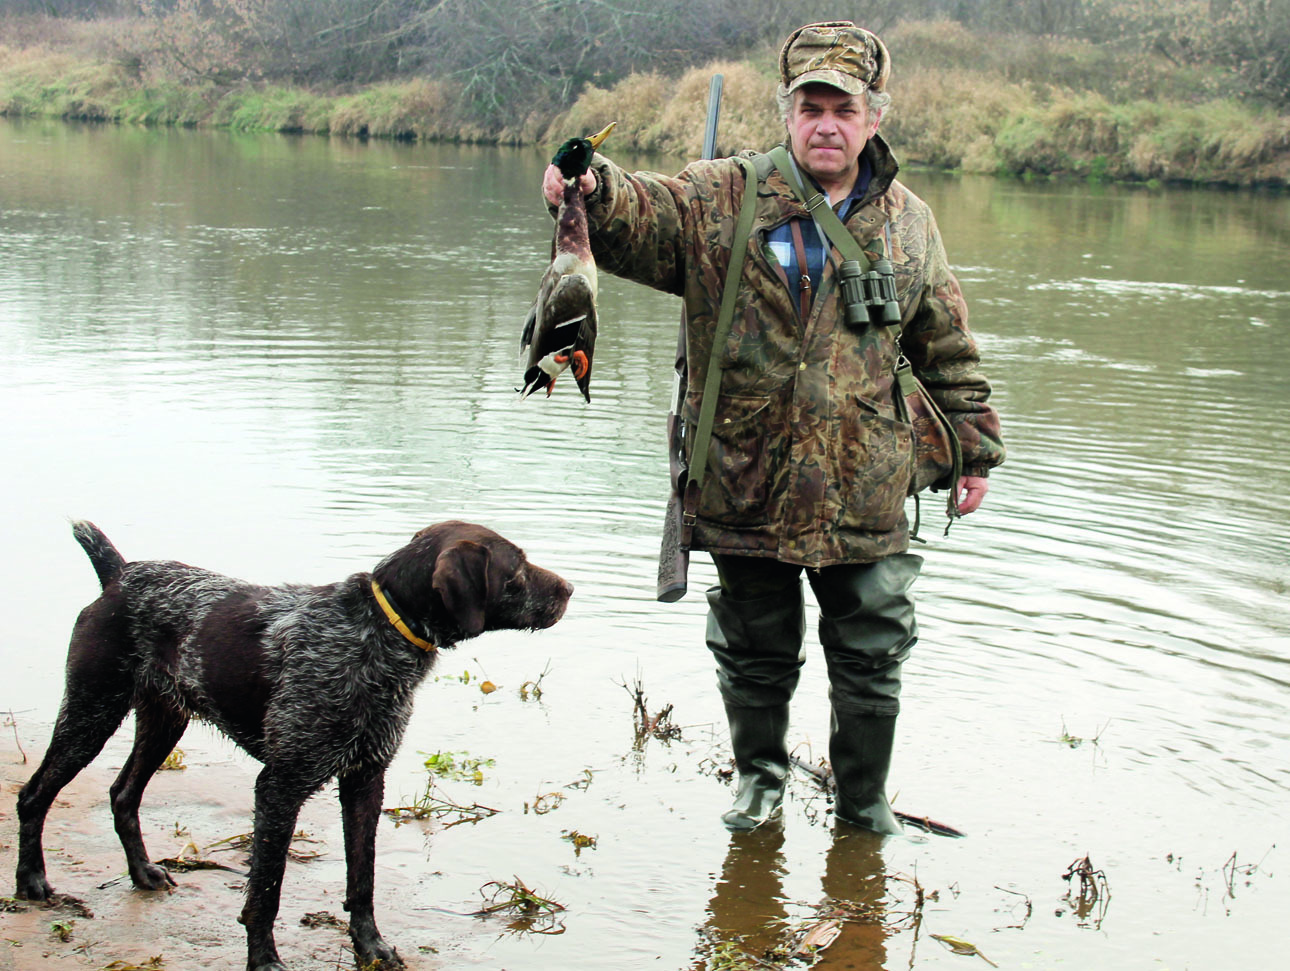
91	712
361	792
157	729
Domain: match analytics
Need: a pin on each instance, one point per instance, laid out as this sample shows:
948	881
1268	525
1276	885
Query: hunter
810	461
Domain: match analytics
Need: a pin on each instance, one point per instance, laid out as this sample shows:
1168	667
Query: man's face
827	130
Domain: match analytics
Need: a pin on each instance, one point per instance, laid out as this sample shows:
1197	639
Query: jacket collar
882	168
883	165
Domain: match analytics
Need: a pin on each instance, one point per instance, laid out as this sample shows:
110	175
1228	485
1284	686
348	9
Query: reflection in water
748	915
855	891
279	357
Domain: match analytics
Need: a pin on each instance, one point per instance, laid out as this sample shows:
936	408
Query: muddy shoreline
105	920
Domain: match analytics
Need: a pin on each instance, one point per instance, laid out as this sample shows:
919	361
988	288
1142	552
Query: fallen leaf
960	946
820	936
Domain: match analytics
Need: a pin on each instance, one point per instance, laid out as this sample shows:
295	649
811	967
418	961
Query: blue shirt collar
863	177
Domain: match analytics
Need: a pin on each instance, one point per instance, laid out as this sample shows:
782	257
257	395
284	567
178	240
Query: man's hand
553	185
971	490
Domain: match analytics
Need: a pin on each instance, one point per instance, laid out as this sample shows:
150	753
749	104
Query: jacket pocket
874	465
737	488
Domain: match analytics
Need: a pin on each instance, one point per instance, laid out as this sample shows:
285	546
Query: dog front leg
361	791
277	806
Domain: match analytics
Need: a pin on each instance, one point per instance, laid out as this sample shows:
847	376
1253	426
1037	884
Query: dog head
460	579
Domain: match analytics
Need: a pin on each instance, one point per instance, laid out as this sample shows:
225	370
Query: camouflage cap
837	53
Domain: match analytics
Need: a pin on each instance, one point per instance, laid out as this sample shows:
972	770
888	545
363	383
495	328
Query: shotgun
674	555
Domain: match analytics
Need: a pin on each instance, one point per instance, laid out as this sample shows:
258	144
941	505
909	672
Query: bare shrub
1218	143
668	115
635	103
749	118
950	118
45	33
748	115
1248	39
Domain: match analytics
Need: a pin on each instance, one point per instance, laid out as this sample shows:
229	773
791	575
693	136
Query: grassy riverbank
963	101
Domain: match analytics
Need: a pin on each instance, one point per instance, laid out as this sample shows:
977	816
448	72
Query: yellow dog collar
399	624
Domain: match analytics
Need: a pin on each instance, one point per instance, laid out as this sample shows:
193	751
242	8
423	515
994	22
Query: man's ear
461	580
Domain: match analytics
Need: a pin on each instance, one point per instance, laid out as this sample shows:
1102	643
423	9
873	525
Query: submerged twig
660	725
1093	895
1092	883
439	807
533	689
1231	868
13	722
822	775
544	802
1026	898
1075	741
534	913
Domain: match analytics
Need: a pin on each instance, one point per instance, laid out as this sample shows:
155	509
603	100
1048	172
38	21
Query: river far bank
955	109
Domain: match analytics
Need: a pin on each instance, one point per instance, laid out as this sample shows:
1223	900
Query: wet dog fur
315	682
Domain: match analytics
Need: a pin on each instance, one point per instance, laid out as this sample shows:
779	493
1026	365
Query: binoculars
868	296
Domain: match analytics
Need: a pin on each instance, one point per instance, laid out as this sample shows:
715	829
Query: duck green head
573	158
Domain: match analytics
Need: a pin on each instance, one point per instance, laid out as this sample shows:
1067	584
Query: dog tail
108	563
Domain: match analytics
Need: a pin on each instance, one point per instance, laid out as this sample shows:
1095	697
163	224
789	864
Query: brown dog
314	682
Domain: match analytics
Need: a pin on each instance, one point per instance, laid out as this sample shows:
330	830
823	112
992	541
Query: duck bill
599	137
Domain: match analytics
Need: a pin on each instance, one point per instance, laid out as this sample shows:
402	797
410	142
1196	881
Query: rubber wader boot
860	751
761	756
757	644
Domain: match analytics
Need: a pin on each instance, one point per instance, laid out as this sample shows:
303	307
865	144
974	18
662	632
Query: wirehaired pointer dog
314	682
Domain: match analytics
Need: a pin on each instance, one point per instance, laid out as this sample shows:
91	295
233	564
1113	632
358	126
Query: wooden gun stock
673	555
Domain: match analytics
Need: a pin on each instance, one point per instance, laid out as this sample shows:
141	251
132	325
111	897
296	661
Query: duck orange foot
580	363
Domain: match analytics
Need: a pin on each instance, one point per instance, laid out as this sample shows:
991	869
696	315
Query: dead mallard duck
560	330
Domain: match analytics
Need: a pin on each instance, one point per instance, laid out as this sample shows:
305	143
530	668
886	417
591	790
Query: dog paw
392	963
150	876
33	886
380	957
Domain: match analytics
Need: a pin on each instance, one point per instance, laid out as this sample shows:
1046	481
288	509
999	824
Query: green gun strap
725	318
822	212
824	216
819	208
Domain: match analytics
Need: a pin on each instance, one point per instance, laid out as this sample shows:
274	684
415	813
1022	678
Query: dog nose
566	588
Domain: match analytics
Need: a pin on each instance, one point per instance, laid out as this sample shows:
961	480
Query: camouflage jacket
808	462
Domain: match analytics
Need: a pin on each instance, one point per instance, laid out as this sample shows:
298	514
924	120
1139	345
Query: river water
279	357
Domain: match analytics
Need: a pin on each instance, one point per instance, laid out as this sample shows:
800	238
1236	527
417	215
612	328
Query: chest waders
756	629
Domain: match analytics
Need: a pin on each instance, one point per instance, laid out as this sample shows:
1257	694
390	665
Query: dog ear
461	580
